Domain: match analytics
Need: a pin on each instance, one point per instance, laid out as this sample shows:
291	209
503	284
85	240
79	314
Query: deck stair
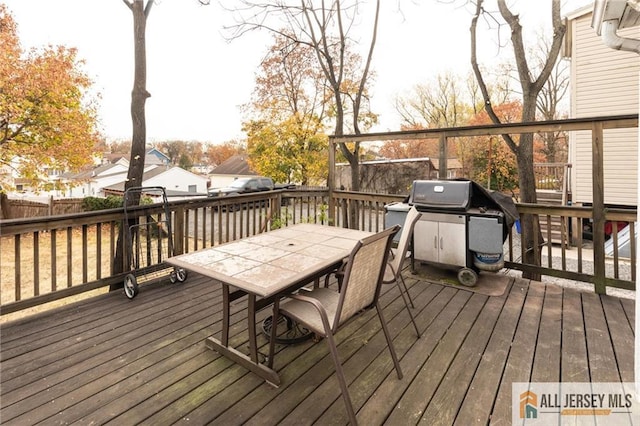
555	223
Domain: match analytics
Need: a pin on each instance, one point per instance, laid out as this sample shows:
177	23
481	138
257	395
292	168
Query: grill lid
439	194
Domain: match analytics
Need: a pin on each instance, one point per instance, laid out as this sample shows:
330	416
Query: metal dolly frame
136	229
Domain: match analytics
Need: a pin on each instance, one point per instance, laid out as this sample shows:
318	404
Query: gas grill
462	226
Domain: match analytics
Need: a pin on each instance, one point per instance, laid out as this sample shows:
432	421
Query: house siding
603	82
177	179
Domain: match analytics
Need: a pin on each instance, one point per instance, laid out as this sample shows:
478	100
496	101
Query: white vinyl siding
603	82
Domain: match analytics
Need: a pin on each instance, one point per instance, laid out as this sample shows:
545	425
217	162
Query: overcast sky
198	81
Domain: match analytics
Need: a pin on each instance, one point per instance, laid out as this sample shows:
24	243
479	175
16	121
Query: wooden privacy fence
26	208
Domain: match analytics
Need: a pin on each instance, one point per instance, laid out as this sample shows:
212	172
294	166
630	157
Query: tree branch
481	83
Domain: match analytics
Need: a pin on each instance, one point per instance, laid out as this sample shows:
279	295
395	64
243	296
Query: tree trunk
530	223
4	206
139	96
530	89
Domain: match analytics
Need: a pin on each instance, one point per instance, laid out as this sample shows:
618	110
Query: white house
178	182
91	183
603	82
109	178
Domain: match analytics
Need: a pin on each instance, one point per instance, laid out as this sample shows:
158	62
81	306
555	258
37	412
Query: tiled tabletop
267	263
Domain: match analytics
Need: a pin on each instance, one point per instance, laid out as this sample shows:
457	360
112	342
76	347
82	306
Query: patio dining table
264	267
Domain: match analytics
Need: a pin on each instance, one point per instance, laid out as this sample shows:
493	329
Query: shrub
97	203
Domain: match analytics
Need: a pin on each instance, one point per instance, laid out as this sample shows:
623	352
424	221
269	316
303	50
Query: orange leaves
46	119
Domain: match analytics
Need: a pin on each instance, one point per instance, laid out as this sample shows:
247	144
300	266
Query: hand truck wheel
130	286
178	274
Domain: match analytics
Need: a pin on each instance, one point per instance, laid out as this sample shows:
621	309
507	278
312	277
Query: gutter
610	37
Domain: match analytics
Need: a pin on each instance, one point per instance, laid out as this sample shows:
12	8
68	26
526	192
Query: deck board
621	336
450	393
110	360
520	359
484	387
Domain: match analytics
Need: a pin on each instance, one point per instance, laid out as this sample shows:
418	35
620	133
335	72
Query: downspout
610	37
609	34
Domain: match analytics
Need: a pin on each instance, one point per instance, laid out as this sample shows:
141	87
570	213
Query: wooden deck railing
50	258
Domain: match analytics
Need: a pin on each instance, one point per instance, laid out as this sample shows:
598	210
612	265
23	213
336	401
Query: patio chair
324	311
393	271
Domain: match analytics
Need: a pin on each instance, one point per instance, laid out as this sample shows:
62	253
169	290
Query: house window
193	188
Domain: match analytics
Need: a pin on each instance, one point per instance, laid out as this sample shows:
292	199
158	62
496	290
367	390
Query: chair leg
394	357
406	289
404	298
341	379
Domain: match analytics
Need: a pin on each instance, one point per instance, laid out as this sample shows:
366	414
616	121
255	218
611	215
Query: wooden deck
116	361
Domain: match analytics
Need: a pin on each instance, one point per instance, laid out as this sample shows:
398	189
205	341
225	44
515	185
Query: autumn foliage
487	160
44	119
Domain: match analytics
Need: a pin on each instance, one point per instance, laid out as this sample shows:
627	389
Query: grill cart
461	226
148	239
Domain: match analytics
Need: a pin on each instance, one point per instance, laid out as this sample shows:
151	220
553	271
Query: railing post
597	154
178	231
442	163
331	181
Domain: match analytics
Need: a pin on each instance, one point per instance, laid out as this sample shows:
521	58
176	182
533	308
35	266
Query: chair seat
300	310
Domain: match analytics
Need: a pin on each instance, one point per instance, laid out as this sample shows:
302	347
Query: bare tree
139	95
531	86
326	29
439	103
550	100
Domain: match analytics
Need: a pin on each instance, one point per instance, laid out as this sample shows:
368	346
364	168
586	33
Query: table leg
239	358
225	315
222	346
251	318
274	326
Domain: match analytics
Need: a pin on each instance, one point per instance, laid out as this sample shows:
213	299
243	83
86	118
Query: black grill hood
460	195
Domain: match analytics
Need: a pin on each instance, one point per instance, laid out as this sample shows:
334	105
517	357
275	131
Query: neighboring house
234	167
48	176
153	156
387	176
178	182
610	20
203	169
109	178
603	82
454	168
112	173
92	182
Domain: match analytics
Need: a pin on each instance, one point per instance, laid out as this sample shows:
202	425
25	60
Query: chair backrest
405	237
363	274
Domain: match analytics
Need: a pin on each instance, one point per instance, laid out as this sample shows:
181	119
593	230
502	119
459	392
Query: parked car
248	185
244	186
